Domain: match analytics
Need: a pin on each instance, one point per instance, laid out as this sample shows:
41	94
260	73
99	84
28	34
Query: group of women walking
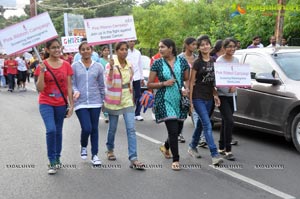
87	87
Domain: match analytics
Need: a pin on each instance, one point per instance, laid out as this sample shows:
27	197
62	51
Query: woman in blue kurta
167	98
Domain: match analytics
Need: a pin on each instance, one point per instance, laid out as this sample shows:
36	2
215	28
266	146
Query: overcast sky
19	11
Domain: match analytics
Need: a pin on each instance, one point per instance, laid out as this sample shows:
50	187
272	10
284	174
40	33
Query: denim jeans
2	81
53	117
11	81
137	95
89	122
197	135
130	130
203	108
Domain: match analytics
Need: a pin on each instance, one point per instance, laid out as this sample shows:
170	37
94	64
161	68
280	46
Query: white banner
71	43
109	30
232	74
27	34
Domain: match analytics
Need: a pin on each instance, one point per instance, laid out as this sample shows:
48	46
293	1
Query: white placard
232	74
27	34
109	30
71	43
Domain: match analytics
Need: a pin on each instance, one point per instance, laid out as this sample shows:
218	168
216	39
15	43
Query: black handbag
184	100
65	99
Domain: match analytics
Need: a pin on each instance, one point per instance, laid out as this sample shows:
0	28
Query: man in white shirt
135	58
273	42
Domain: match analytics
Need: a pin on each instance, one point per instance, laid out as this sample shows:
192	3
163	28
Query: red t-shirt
51	94
155	57
11	66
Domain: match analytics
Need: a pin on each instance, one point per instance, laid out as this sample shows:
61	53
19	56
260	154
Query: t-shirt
11	66
204	80
51	94
21	64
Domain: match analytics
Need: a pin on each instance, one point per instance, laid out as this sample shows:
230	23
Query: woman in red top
52	104
12	71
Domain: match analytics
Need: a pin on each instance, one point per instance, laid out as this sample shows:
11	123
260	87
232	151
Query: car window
289	64
258	64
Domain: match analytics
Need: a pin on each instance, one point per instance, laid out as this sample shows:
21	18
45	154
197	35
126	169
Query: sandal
137	165
165	152
176	166
111	156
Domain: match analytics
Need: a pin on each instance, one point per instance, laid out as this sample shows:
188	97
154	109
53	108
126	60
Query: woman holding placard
226	108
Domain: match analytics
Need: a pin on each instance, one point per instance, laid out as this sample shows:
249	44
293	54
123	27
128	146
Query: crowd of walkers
89	84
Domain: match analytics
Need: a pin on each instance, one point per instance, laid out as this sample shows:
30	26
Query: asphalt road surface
266	166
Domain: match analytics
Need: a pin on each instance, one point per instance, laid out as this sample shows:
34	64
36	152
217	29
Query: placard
109	30
232	74
71	43
27	34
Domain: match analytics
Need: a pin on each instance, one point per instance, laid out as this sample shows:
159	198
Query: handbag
184	100
56	82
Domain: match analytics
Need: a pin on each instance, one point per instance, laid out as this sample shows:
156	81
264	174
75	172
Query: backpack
147	100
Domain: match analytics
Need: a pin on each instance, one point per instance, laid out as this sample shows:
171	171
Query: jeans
11	81
137	95
197	135
89	121
53	117
203	108
174	127
130	130
226	110
2	81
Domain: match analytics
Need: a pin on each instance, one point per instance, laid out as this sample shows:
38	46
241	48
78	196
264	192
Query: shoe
83	153
194	152
96	161
222	152
229	156
110	155
202	144
139	118
234	142
58	164
217	160
176	166
165	152
181	138
137	165
52	169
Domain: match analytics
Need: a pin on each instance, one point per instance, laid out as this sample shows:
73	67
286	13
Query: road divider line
255	183
148	138
235	175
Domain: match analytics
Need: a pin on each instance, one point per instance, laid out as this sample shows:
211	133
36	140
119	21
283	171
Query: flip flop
176	166
137	165
110	155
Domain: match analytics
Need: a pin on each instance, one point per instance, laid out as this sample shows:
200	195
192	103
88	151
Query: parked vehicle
272	104
146	70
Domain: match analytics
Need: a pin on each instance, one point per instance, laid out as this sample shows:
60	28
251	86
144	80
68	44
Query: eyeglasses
230	46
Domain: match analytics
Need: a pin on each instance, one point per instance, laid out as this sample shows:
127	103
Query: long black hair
48	44
187	42
170	43
199	41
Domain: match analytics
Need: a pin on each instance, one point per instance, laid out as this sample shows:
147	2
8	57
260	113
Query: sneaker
217	160
229	156
222	152
83	153
58	164
234	142
202	144
153	116
139	118
194	152
181	138
52	169
96	161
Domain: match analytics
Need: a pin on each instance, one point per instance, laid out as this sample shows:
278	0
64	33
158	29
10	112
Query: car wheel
296	131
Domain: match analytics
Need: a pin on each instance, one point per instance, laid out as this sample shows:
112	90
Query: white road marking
235	175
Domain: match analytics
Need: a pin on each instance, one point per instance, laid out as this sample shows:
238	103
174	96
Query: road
266	167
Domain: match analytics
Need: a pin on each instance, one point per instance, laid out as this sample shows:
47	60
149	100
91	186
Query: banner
27	34
109	30
232	74
70	43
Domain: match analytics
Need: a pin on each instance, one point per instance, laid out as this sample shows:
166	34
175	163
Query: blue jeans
53	117
203	108
198	127
2	81
130	130
89	122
